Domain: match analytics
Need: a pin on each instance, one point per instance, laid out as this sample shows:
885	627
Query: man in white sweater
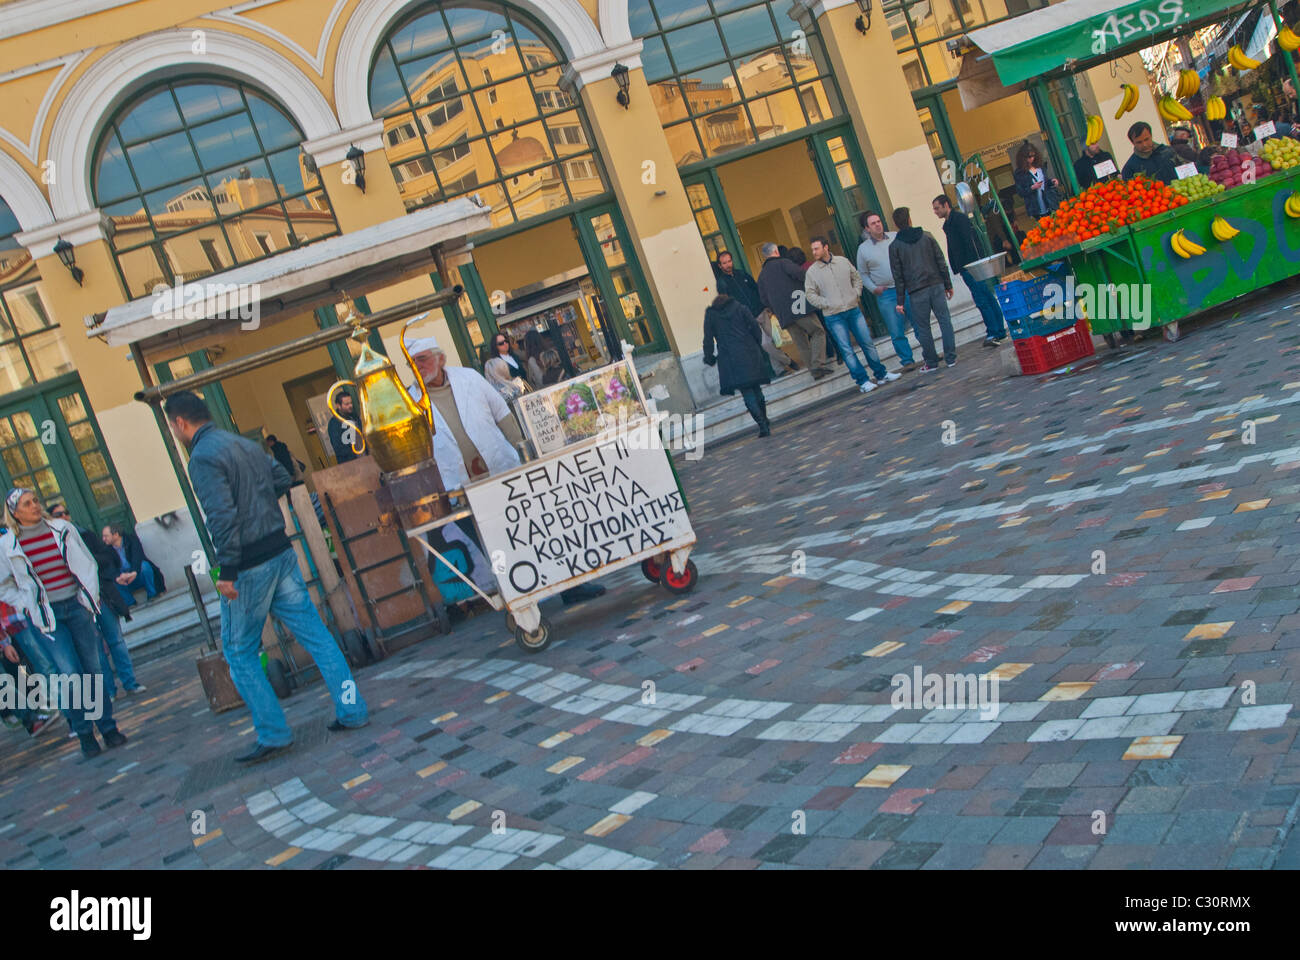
833	286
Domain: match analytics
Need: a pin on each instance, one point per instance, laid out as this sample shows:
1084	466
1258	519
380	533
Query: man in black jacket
963	250
1085	168
740	286
239	487
780	286
340	441
923	282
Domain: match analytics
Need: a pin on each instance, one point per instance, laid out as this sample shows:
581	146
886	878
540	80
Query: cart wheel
442	618
681	584
279	678
511	626
651	570
355	649
534	642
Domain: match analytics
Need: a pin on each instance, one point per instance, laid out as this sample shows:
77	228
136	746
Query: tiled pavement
1104	542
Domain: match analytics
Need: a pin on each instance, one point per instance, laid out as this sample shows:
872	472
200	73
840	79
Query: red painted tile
896	602
367	791
1117	671
830	798
596	772
389	737
798	618
1211	487
689	665
600	668
1124	579
449	778
942	636
455	725
983	654
858	753
1091	522
711	842
1239	583
635	756
750	623
586	726
758	668
907	800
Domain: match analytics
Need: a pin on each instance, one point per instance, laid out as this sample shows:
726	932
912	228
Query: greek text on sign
597	505
545	429
1117	30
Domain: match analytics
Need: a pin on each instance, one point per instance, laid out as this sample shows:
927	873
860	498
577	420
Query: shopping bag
778	336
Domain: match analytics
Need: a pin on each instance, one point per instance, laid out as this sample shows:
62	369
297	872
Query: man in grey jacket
873	264
833	286
921	274
239	487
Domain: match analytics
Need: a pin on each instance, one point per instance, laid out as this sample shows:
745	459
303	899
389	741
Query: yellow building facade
169	141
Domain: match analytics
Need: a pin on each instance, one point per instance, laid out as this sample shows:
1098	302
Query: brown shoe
908	367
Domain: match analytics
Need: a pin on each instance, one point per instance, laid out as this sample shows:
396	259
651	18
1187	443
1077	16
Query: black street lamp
68	257
865	7
357	157
621	76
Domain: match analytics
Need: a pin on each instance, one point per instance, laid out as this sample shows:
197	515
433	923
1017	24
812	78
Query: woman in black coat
742	365
1035	183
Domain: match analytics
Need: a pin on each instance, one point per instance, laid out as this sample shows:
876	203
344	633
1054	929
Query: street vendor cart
1186	255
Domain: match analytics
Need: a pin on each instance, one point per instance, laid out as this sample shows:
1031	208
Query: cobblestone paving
1105	542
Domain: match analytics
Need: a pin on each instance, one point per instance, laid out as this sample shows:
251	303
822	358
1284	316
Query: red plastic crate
1040	354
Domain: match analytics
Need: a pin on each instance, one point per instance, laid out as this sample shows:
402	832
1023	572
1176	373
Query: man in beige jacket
833	285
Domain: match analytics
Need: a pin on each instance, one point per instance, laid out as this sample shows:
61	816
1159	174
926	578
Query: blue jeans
896	323
987	304
276	587
74	649
114	644
852	321
148	579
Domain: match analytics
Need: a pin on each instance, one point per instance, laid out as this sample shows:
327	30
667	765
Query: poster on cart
552	523
576	410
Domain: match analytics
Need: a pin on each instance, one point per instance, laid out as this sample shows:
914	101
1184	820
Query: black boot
753	399
764	425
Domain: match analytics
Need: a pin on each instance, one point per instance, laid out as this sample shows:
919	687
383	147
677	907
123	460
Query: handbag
11	621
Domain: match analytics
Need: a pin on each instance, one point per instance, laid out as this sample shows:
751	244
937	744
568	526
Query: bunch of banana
1129	102
1238	59
1223	231
1292	206
1185	248
1189	81
1215	108
1288	40
1172	110
1096	127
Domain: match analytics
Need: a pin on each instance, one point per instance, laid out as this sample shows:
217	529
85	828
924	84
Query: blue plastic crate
1036	325
1020	299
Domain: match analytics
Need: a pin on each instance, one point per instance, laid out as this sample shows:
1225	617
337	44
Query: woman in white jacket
49	576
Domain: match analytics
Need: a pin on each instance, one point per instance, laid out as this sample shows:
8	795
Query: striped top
42	550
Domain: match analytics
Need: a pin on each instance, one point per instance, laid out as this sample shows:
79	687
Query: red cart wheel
651	570
683	583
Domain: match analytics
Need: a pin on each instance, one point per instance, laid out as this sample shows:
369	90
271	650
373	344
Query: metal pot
989	267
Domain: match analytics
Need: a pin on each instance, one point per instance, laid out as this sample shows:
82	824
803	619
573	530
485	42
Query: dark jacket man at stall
1150	159
340	443
740	286
963	250
238	487
1085	168
780	287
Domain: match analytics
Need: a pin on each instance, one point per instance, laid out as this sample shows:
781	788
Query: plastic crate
1043	353
1023	298
1036	325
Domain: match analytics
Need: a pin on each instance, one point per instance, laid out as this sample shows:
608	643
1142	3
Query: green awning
1075	34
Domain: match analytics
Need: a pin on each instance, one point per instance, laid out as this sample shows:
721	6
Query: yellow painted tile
497	696
1133	469
713	631
1268	419
780	581
62	806
1217	494
200	841
120	776
653	737
740	601
556	739
942	541
1007	472
1152	514
356	781
1226	416
873	516
1248	505
607	825
1222	434
1152	748
1058	477
1209	631
884	775
957	606
280	858
883	649
1013	522
918	499
1067	691
1009	671
565	764
468	807
680	603
943	526
431	769
1158	453
450	715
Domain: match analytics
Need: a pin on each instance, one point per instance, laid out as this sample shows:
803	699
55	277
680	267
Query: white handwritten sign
598	506
1104	169
1228	140
543	423
1265	129
984	186
1118	30
1185	170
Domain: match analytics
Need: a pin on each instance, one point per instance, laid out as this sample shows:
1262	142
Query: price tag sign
1104	169
984	186
1185	170
1265	129
1228	140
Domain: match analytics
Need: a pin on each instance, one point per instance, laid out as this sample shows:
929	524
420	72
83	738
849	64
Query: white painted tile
1103	728
1151	724
898	733
1107	707
1056	730
1155	703
633	802
1213	699
1019	712
972	732
1260	717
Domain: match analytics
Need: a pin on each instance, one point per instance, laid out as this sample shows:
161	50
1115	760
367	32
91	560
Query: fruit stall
1148	253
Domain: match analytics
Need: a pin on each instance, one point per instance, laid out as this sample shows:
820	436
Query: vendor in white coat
474	433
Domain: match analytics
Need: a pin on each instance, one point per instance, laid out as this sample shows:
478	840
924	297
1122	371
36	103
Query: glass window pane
748	30
421	36
73	410
14	374
164	160
7	436
776	115
150	117
683	144
48	355
764	73
287	173
179	207
273	127
725	130
106	494
95	465
15	465
203	101
471	24
654	60
27	308
487	61
510	101
47	485
641	19
258	234
142	269
34	452
673	13
112	176
386	91
225	141
535	52
694	46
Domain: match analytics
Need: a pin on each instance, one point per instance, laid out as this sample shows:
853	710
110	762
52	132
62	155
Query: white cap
422	345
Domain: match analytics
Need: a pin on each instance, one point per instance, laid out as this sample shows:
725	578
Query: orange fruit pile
1100	209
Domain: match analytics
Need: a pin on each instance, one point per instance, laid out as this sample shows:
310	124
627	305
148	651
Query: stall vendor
1150	159
1085	168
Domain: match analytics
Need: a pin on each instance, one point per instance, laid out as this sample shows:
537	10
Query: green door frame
1049	119
721	212
214	393
947	139
600	273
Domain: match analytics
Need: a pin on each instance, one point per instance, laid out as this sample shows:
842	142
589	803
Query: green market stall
1077	35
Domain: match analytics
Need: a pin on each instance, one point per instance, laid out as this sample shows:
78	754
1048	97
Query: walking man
833	286
239	487
963	250
873	264
922	274
780	286
740	286
341	440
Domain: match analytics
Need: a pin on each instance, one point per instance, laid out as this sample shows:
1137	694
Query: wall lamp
357	157
621	76
68	257
865	7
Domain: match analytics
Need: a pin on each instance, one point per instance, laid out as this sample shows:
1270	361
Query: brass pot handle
348	424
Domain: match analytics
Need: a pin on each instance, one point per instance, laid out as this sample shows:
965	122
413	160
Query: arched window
725	74
201	174
471	101
31	347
